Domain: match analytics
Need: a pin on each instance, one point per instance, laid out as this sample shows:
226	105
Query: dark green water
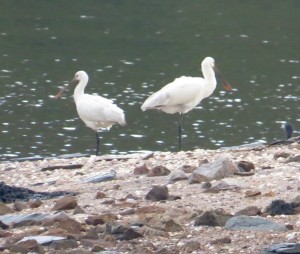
131	49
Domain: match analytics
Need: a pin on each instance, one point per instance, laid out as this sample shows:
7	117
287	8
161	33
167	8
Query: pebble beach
116	213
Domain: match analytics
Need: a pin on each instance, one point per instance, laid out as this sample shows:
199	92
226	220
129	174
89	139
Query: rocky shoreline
242	200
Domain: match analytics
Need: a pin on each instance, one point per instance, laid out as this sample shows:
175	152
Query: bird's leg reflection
180	122
98	143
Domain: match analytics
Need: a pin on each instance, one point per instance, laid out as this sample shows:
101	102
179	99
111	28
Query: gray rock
158	193
220	186
254	145
282	248
293	159
64	244
110	252
17	218
163	222
219	168
101	178
30	218
121	232
177	175
245	166
212	218
296	200
43	239
253	223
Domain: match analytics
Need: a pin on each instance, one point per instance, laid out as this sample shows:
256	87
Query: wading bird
185	93
95	111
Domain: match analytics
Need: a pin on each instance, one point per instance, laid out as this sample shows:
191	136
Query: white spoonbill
185	93
95	111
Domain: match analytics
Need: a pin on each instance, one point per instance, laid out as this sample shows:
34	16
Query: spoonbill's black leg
180	122
98	143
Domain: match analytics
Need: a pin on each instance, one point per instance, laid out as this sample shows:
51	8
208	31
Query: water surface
131	49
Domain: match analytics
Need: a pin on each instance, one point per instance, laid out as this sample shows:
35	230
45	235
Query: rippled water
131	49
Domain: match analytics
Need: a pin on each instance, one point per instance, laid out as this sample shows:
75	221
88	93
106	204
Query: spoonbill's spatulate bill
185	93
95	111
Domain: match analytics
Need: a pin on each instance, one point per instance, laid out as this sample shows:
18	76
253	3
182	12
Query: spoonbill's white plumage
185	93
95	111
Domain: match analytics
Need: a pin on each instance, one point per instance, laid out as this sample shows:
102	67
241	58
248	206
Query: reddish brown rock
4	234
150	209
145	248
245	166
35	203
20	205
190	246
297	210
97	248
159	171
252	193
141	170
152	232
4	209
65	203
224	240
100	195
187	168
30	246
100	242
116	187
249	211
69	225
100	219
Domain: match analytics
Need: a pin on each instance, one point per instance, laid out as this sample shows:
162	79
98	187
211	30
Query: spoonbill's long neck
209	76
79	89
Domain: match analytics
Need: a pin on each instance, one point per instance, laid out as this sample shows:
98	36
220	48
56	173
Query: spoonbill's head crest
80	75
208	61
